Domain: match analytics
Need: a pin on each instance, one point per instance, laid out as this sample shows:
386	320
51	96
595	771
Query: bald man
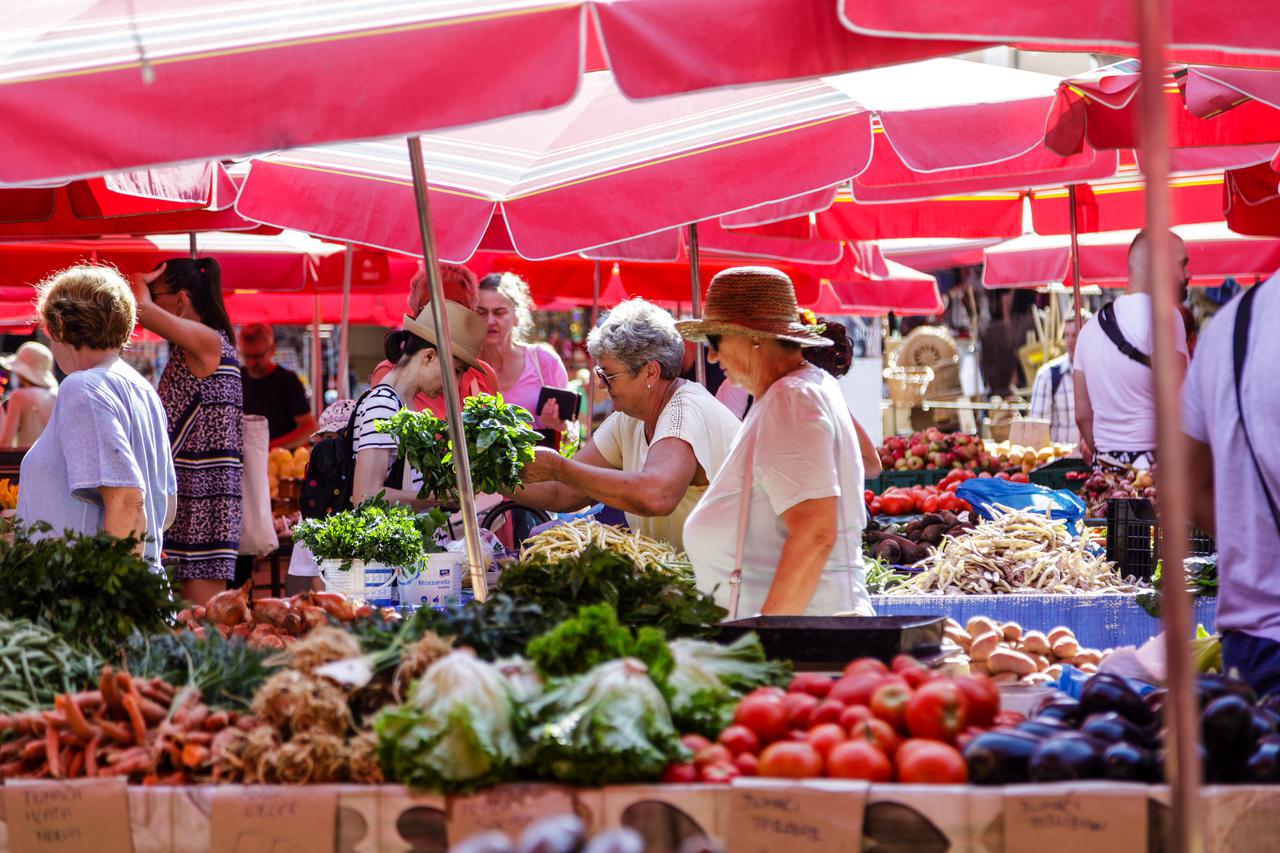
1115	388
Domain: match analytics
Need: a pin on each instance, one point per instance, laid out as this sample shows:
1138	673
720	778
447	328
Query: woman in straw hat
29	407
780	529
416	369
654	457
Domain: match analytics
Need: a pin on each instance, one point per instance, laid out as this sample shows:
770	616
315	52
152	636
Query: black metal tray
828	643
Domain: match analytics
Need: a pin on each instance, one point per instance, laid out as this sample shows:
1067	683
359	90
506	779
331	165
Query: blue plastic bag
984	494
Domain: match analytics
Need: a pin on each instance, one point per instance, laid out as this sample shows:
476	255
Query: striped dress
207	440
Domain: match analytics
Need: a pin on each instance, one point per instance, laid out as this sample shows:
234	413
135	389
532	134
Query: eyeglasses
713	342
607	378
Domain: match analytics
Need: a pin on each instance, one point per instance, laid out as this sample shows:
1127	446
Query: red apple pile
873	723
933	449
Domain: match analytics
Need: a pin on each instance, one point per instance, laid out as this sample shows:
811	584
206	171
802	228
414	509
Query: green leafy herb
498	627
593	637
500	441
93	590
1201	574
665	597
225	671
375	531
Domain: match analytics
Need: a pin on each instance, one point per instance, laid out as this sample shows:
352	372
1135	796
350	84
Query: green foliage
593	637
93	590
375	531
38	665
460	730
666	597
710	678
1201	574
609	726
225	671
500	441
498	627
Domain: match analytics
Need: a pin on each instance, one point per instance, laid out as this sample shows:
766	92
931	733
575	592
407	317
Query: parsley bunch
500	441
93	590
375	531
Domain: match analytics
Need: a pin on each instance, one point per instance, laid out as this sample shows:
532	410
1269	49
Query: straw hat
758	302
466	330
33	362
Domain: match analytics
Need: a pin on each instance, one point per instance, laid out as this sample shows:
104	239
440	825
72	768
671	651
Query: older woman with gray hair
654	457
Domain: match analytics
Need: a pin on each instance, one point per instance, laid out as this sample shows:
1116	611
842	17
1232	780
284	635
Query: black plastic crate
1055	475
828	643
1133	537
906	479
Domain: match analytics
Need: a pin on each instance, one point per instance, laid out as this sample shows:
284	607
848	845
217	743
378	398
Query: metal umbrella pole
317	361
344	327
461	462
1075	254
595	318
191	245
1182	712
699	365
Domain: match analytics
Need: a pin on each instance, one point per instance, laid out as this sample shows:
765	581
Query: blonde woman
522	367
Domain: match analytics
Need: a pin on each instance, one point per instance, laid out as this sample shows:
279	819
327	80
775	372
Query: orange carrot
75	717
217	721
77	764
91	758
193	755
118	733
51	751
110	692
135	718
33	750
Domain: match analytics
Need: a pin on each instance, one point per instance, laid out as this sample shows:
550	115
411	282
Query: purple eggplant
1113	728
1105	692
1128	762
1067	757
1000	757
1263	766
1228	736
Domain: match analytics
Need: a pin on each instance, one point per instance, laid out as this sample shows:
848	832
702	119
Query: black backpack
326	486
330	476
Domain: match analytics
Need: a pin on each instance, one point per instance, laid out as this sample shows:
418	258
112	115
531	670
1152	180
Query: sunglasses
606	378
713	343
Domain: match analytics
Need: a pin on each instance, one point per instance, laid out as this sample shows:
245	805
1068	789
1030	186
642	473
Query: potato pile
1008	653
1028	458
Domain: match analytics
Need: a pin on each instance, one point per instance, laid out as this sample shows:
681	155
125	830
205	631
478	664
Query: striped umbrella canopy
1213	252
1253	199
191	197
1206	106
604	169
1229	32
93	86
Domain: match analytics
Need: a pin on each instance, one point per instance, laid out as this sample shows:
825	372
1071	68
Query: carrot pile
142	729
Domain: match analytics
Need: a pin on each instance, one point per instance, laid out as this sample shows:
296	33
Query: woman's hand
549	417
546	462
141	284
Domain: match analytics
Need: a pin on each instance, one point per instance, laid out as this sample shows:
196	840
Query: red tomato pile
872	723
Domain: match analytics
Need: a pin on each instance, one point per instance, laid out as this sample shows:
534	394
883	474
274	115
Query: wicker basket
931	346
907	385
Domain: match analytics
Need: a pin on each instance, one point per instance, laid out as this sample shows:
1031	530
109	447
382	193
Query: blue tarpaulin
1099	621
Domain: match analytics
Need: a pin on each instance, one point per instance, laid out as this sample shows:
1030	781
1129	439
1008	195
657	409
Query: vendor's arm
654	491
811	534
870	455
539	491
299	435
1200	471
1084	416
124	513
202	344
370	478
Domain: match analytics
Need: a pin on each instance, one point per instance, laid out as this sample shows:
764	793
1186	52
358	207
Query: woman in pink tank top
523	368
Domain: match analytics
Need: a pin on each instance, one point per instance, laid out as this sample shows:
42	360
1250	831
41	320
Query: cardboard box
781	816
1069	818
411	820
918	818
359	824
151	818
509	809
192	807
667	816
1240	817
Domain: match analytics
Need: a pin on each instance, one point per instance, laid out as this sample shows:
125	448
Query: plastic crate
906	479
1054	475
1133	538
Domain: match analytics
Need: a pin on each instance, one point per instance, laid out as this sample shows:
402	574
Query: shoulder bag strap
744	511
1240	350
537	363
1107	319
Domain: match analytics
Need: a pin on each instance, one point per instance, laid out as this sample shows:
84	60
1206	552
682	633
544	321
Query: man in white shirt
1053	396
1114	387
1235	477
